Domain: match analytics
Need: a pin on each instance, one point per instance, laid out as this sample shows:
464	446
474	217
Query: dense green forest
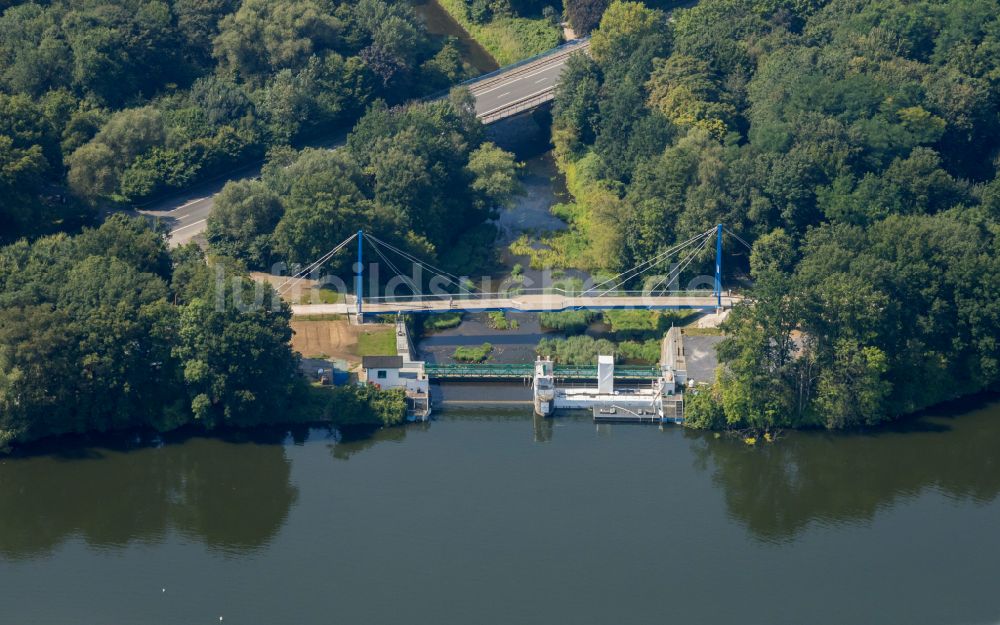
420	177
117	101
107	330
853	142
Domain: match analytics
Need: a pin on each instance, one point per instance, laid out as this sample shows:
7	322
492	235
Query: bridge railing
527	370
515	292
517	107
574	43
482	78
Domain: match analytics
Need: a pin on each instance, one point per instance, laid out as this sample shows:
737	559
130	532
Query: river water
483	517
440	24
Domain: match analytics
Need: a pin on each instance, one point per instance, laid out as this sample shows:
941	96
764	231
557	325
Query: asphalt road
185	214
521	83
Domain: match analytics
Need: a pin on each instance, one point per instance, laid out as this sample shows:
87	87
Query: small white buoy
164	590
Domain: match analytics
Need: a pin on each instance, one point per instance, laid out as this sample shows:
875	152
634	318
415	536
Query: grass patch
644	324
702	332
559	250
571	248
377	343
330	317
507	39
322	295
478	353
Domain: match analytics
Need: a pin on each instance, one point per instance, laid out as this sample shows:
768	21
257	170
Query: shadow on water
779	490
350	441
232	492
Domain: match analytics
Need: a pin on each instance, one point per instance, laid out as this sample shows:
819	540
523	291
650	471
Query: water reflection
233	495
352	441
440	23
809	478
542	428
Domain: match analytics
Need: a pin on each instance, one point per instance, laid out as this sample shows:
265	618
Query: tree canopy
853	143
420	177
106	330
117	101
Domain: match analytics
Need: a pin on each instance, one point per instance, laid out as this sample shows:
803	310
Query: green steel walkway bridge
523	371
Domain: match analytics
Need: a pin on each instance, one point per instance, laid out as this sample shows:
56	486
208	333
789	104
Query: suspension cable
406	279
640	268
452	278
312	266
738	237
636	270
681	266
415	260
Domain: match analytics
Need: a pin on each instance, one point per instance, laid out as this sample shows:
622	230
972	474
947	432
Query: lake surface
481	517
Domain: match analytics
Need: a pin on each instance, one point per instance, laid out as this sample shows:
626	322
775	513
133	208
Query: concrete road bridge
523	86
503	93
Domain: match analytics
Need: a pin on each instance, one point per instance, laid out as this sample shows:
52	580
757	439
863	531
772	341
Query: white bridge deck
523	303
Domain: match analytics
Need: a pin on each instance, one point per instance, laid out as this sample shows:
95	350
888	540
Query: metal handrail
506	68
515	293
526	370
483	78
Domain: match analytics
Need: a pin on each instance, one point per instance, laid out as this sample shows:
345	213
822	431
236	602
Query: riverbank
507	39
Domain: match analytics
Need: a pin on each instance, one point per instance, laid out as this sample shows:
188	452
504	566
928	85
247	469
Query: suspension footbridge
444	292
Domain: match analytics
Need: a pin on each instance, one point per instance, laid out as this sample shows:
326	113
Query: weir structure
656	401
647	394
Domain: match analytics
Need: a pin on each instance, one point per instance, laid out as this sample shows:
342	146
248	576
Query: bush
473	354
365	405
499	321
443	321
703	411
583	350
576	350
645	351
573	321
